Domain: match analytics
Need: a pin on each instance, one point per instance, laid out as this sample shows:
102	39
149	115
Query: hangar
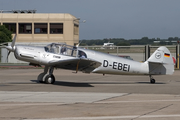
32	27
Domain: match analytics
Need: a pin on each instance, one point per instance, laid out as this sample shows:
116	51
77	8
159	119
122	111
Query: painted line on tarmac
111	117
137	101
29	104
102	102
55	97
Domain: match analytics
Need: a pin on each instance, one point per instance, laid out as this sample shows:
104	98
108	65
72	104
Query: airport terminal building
42	27
39	29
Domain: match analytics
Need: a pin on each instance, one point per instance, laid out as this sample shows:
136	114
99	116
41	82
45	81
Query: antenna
79	43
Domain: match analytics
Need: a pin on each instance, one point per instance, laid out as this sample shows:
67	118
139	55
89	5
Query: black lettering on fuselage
105	63
120	66
54	56
116	66
125	67
128	67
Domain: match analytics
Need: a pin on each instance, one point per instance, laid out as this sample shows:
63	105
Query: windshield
61	49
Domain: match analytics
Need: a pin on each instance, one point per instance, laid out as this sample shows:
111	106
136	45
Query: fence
138	52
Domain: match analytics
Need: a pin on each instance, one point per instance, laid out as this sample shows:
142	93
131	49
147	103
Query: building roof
9	17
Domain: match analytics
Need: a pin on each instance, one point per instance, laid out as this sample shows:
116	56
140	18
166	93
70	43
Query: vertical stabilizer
161	62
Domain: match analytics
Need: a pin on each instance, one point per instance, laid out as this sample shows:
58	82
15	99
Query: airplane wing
79	64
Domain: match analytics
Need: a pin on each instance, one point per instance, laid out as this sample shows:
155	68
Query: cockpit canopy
65	50
61	49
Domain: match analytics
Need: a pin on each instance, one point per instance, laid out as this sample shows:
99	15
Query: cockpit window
52	48
82	54
61	49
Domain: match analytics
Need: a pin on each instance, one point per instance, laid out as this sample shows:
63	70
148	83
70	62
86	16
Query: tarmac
79	96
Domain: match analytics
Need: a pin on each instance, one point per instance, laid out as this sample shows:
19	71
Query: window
10	26
40	28
76	29
56	28
25	28
82	54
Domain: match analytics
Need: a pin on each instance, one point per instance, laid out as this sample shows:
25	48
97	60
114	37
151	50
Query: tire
49	79
153	81
40	77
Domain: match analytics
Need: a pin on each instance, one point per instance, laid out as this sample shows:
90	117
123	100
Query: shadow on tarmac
88	84
150	83
70	84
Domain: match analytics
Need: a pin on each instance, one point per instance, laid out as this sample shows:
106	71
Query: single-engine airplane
75	58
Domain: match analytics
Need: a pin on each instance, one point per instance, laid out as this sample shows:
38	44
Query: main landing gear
152	80
46	77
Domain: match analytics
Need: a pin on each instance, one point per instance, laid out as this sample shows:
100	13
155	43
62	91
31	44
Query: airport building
32	27
39	29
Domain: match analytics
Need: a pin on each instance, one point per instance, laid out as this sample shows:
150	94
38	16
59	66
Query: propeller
10	48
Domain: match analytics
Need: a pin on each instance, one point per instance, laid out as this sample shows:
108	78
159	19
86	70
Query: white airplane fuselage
110	64
64	56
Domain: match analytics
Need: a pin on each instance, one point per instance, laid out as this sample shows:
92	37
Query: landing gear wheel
49	79
152	81
40	77
46	77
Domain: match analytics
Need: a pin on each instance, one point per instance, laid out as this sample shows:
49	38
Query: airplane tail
161	62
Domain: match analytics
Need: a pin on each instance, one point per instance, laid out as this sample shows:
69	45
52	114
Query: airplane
56	55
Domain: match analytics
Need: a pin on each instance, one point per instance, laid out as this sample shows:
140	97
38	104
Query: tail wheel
49	79
153	81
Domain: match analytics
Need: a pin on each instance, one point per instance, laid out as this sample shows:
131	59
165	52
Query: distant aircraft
88	61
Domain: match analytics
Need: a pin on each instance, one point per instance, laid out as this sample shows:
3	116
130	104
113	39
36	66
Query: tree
5	34
123	44
144	38
170	38
83	44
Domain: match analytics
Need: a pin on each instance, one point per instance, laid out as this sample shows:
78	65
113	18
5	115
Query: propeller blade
3	44
12	46
8	56
8	53
13	42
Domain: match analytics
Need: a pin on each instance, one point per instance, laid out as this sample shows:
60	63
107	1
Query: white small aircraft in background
88	61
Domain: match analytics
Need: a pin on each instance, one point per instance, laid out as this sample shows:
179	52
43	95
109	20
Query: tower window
25	28
10	26
40	28
56	28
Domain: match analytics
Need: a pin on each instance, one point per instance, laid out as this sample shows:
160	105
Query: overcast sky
129	19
